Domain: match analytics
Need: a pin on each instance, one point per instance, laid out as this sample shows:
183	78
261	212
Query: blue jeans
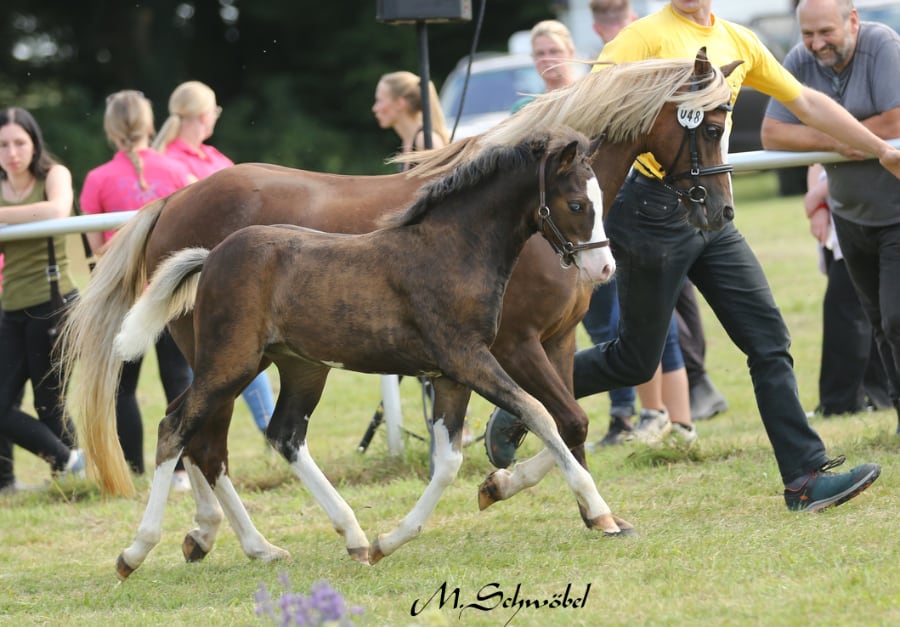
655	250
259	398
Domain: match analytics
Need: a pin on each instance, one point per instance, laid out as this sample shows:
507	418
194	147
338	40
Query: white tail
171	293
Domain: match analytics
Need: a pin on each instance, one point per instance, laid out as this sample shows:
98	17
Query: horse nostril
728	212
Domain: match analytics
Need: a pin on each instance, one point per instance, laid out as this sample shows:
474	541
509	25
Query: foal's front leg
450	401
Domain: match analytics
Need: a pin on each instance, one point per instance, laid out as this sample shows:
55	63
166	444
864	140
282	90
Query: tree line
296	79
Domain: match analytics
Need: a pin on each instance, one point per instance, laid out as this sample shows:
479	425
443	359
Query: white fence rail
743	162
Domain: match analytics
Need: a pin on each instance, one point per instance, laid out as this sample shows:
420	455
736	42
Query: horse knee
574	431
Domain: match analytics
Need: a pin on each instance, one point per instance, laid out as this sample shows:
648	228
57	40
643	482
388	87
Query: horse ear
567	156
702	66
728	69
595	145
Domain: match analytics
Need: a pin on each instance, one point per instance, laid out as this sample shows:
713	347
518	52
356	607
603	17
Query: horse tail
171	294
86	341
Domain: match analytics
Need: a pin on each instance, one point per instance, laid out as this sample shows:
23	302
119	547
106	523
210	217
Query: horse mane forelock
621	100
485	164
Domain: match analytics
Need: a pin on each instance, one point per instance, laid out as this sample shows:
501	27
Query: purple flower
324	605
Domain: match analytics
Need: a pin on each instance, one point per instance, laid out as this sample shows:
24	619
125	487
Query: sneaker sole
847	494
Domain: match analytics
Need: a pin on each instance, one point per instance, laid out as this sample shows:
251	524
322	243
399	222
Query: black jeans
655	250
851	369
872	255
25	354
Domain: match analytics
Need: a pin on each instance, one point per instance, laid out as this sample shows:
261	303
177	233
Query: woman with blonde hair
398	105
135	175
193	113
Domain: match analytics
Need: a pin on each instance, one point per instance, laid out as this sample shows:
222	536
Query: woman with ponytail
135	175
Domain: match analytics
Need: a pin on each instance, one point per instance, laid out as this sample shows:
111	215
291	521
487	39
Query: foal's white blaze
597	264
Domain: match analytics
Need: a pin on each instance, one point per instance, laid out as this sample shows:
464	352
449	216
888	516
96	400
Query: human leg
872	255
846	343
24	345
129	426
260	400
705	399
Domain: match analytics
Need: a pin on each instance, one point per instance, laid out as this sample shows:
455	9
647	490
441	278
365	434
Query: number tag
689	118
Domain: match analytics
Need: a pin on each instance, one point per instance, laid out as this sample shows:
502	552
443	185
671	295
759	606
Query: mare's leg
301	388
450	401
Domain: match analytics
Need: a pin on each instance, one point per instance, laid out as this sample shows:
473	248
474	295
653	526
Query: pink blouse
201	162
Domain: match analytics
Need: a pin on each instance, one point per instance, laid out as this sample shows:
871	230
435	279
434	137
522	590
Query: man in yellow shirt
719	263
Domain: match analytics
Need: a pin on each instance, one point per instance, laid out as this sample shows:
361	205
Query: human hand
819	222
890	160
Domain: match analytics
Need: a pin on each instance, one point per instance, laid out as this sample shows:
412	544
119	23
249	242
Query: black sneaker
502	436
620	429
821	489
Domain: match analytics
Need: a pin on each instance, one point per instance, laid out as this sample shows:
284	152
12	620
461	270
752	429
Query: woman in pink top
135	175
193	113
192	118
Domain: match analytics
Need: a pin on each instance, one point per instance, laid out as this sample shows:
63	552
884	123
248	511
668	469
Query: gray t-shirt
862	191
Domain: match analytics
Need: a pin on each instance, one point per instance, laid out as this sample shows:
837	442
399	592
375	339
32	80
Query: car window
490	91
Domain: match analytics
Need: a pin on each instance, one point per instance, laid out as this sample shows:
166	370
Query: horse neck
510	199
611	163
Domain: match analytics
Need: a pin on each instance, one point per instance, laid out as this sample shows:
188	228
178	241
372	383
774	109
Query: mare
634	106
420	297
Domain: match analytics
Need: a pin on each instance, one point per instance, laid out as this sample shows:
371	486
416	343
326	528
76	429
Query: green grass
715	546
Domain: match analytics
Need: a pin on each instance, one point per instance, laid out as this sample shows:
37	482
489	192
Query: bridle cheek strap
565	248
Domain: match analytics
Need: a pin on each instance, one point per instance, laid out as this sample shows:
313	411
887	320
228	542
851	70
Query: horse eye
713	132
576	206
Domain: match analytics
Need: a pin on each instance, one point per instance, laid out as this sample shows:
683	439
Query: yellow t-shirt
668	35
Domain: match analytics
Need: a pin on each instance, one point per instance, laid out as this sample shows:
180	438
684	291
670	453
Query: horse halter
563	247
690	120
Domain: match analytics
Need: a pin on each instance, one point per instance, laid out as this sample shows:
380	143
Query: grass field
715	544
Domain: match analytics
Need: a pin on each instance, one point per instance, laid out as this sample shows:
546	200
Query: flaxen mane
622	101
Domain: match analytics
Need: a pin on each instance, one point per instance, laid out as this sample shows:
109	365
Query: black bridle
565	248
696	194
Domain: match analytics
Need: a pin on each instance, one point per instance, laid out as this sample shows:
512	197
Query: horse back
206	212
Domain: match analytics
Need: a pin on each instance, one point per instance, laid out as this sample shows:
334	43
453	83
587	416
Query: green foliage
296	79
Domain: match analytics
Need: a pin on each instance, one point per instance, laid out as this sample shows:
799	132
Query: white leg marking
579	479
446	465
209	514
524	474
150	530
252	541
338	511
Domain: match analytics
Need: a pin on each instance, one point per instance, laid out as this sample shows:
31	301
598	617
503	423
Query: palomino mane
485	165
622	101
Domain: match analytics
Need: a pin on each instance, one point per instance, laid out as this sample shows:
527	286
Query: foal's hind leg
450	401
301	388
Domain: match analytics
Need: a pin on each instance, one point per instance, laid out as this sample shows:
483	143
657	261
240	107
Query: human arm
827	126
815	202
58	188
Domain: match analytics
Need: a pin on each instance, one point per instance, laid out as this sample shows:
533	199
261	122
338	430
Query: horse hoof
488	492
192	551
360	554
612	526
375	554
123	570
